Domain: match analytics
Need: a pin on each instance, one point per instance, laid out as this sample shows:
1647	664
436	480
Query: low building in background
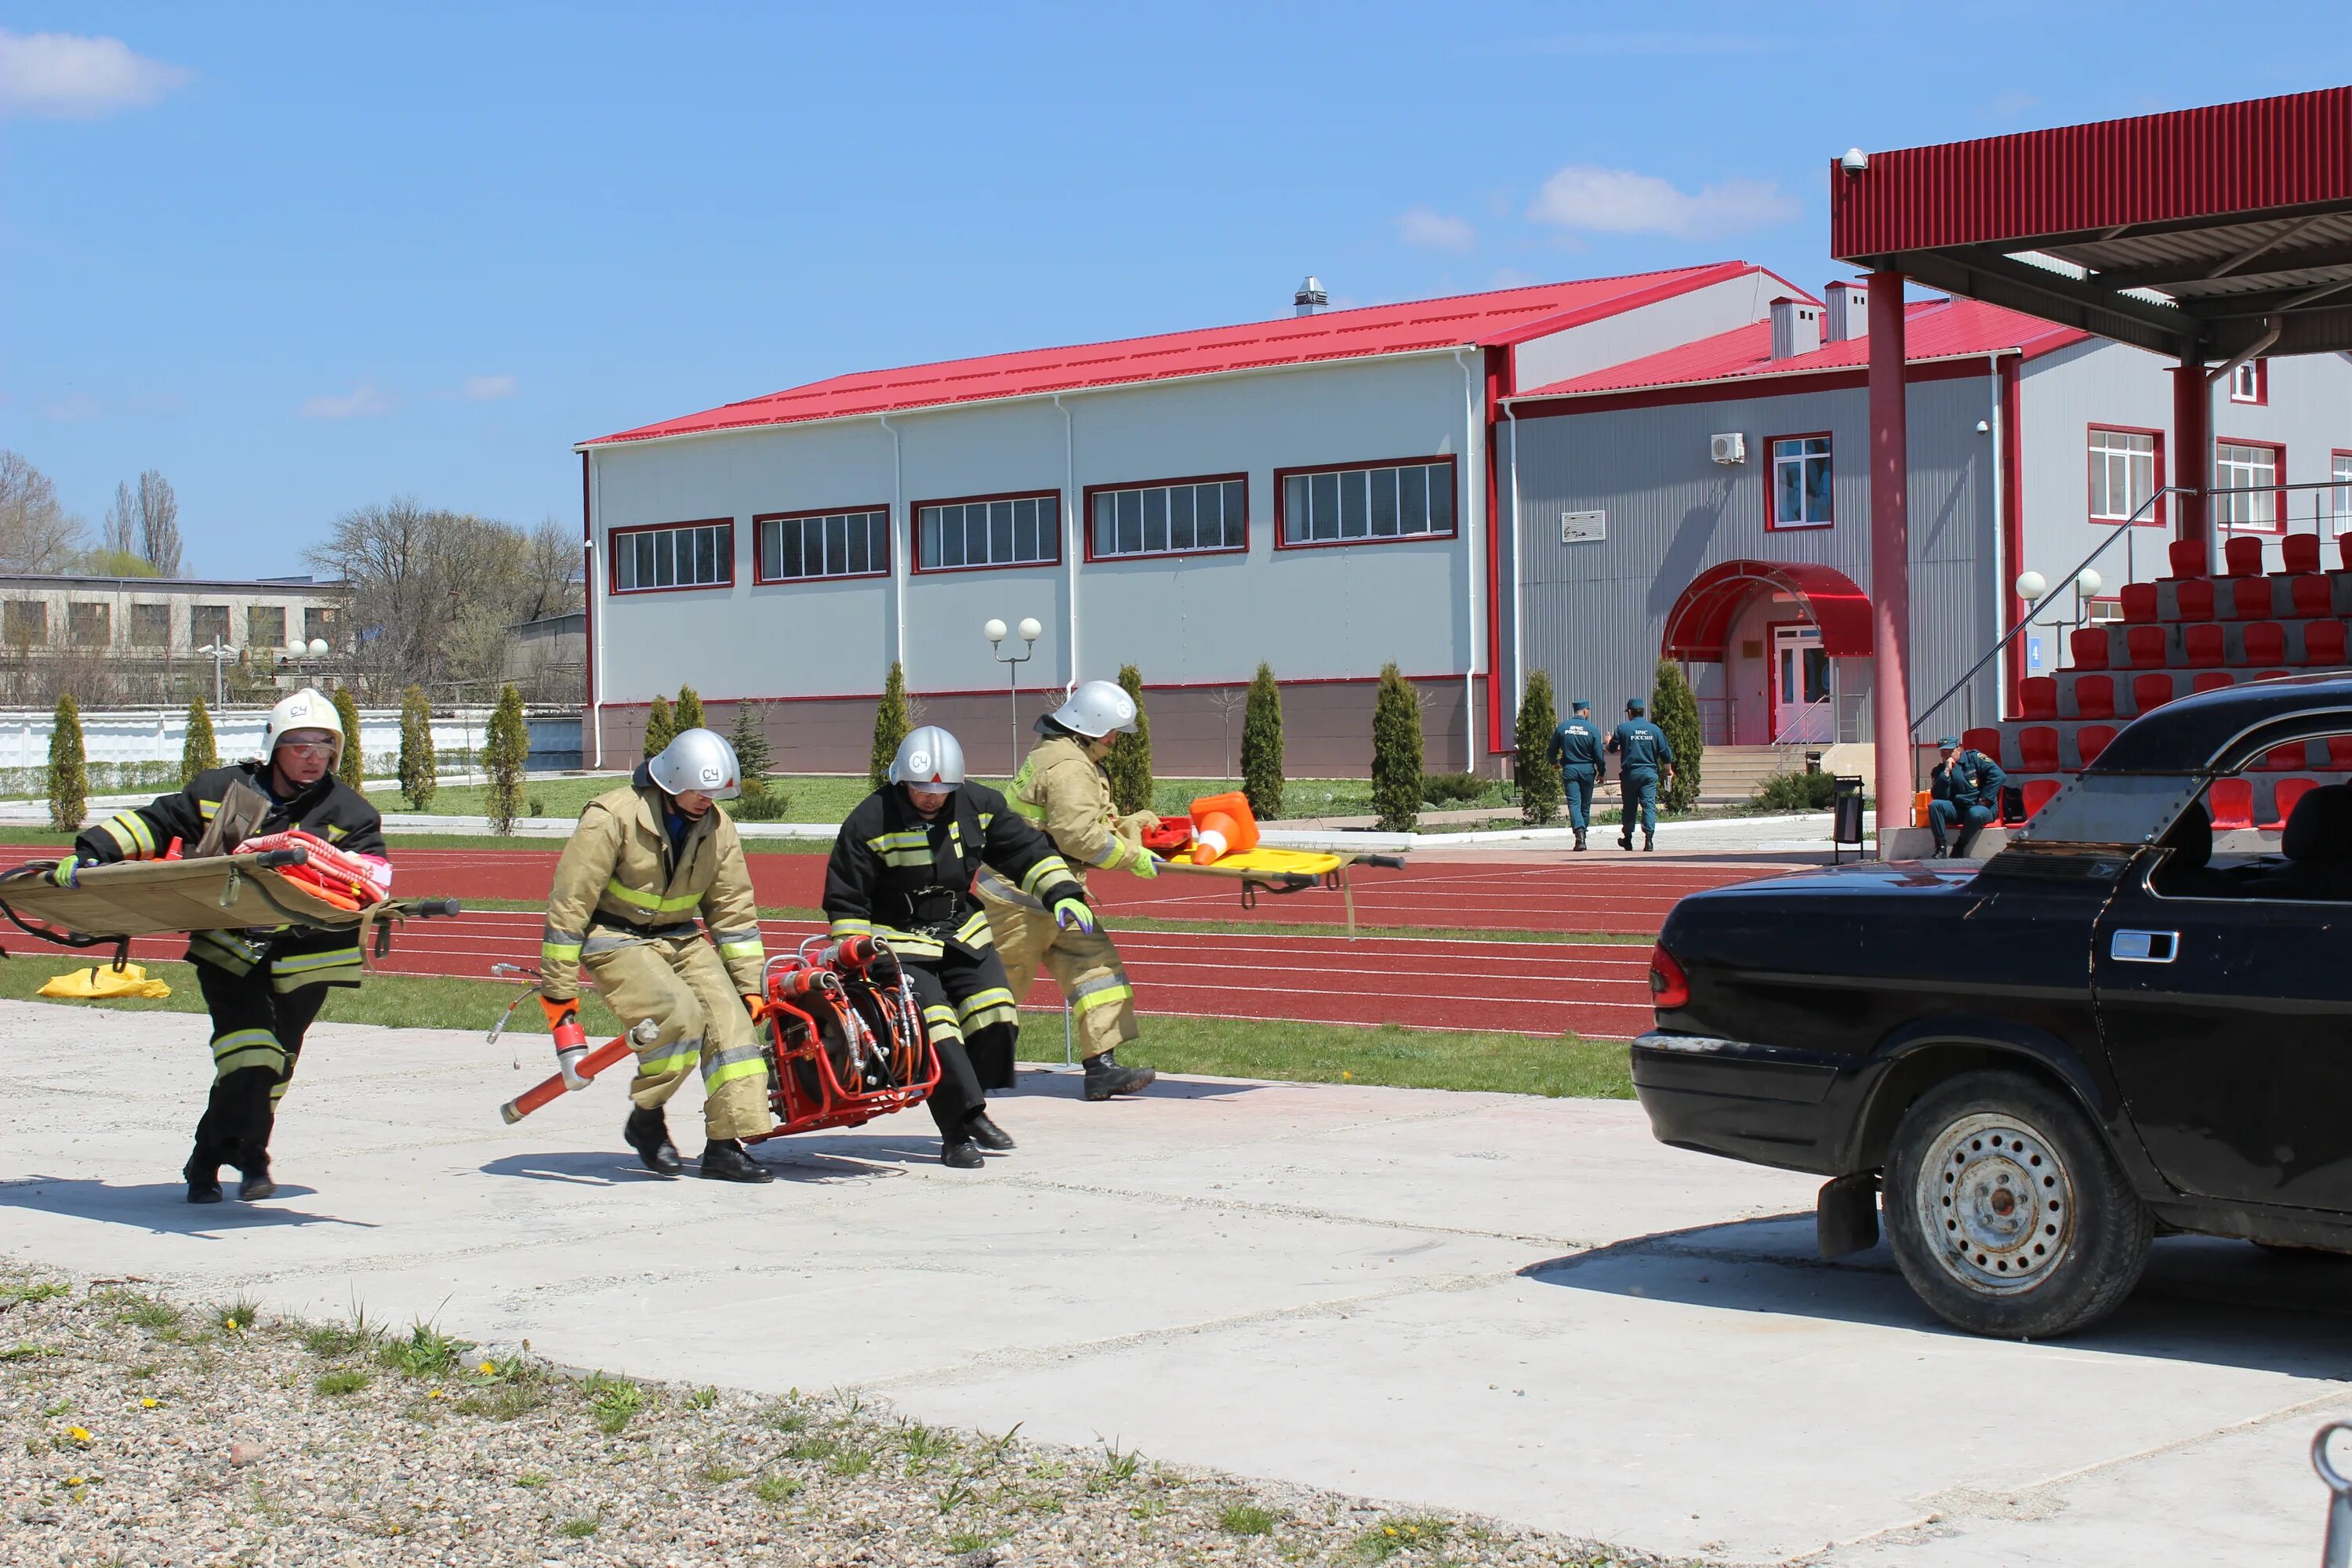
146	639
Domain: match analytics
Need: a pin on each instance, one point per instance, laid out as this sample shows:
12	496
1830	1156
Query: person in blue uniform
1576	751
1963	790
1641	751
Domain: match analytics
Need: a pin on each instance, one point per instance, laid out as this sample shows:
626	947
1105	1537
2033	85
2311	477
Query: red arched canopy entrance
1701	619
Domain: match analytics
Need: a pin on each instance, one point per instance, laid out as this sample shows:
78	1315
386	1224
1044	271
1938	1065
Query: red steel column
1890	555
2192	451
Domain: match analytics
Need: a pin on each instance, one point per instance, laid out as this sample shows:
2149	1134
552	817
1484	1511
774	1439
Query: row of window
2126	467
1357	502
25	623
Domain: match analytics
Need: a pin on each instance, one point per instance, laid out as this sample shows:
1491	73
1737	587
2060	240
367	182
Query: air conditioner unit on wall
1730	446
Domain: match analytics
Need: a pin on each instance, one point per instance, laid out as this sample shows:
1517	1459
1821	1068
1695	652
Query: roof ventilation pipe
1310	300
1796	328
1847	314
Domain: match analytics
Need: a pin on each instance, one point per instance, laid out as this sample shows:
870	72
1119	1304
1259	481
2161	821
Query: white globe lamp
2032	585
1030	630
994	631
2087	582
295	647
317	647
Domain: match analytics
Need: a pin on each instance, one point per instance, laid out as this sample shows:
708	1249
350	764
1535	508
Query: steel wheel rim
1996	1203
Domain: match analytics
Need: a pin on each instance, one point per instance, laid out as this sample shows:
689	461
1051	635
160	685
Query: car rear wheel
2006	1212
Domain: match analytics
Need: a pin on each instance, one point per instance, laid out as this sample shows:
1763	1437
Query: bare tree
554	571
433	593
37	534
120	534
158	521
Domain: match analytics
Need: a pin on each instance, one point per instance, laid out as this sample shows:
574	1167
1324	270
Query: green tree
1262	746
891	723
687	714
352	768
200	753
419	768
660	728
1129	763
759	802
1396	752
69	769
1537	774
1675	710
505	751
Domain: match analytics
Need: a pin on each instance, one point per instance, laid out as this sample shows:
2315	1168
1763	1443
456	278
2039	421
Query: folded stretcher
1260	869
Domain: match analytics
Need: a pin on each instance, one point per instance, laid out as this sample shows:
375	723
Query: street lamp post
219	651
1029	631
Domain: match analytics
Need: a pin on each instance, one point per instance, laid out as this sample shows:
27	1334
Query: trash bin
1846	814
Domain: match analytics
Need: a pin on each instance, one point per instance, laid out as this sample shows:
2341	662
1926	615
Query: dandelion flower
79	1434
230	1324
488	1368
436	1394
73	1480
149	1403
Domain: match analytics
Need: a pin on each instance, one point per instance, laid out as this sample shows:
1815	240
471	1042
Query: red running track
1596	989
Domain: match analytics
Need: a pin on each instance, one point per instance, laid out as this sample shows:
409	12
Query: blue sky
304	259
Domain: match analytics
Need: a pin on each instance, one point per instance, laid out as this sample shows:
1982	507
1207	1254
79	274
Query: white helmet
1097	708
700	760
309	708
928	756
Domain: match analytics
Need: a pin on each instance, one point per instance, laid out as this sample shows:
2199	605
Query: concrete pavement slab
1518	1307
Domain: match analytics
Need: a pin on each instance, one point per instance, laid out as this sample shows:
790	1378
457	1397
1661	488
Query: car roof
2183	735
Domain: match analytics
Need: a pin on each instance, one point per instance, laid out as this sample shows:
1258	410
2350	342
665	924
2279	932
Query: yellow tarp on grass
103	980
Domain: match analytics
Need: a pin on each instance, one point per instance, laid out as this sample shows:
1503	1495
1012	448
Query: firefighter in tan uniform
646	859
1063	789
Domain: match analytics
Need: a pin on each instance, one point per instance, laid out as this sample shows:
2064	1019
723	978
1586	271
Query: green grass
614	1400
775	1488
349	1380
1400	1533
426	1354
578	1529
1246	1519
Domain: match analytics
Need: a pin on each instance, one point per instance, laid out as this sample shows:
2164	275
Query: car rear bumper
1765	1104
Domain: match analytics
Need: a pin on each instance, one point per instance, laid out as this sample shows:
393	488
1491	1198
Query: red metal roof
1505	316
1933	329
1701	619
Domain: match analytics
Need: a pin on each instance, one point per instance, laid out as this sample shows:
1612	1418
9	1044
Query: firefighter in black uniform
902	871
263	988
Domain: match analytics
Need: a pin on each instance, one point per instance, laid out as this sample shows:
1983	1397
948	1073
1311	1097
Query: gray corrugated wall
1596	612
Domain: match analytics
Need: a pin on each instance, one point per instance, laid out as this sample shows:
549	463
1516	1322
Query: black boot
983	1129
1649	841
1106	1078
723	1160
648	1134
1579	838
204	1178
257	1184
1625	839
960	1155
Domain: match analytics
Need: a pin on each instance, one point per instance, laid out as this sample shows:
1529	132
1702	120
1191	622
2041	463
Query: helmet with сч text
1097	708
309	708
929	757
698	760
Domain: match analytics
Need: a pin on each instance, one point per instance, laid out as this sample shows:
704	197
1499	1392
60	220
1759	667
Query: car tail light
1669	986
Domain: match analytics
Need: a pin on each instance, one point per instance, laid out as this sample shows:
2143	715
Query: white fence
126	737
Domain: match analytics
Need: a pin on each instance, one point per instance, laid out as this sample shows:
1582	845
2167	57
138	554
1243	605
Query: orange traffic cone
1222	825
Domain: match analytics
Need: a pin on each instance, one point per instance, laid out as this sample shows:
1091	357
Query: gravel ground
144	1427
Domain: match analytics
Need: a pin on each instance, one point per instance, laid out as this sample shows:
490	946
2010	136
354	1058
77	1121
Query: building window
1799	496
264	627
795	546
151	626
90	624
674	555
988	531
323	623
1364	501
207	625
2251	382
2253	469
27	623
1178	518
2123	466
2104	611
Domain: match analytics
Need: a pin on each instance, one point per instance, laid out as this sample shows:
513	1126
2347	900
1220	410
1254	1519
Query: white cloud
487	388
1435	230
65	75
1586	197
362	401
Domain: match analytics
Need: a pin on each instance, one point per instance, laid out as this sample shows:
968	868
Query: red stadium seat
2091	739
2339	754
2270	675
2323	643
2283	794
2037	750
1985	739
2037	697
2344	550
2232	802
2151	691
2212	680
2193	600
2249	597
2094	698
2244	555
2283	759
2037	794
2140	604
2265	643
2089	647
2189	558
2202	645
2310	592
2146	647
2300	551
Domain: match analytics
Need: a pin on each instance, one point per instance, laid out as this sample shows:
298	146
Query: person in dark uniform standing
1641	750
1964	788
1576	751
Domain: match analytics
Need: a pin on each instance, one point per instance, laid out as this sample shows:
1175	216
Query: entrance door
1801	684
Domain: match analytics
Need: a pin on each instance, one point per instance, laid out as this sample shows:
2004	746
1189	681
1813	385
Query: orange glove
757	1005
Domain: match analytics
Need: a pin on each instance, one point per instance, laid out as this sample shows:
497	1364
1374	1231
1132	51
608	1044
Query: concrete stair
1730	775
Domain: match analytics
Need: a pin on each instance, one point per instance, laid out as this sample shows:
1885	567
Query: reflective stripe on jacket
620	876
1067	793
908	881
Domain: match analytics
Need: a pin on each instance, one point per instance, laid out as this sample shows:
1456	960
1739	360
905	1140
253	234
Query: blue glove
1072	914
68	870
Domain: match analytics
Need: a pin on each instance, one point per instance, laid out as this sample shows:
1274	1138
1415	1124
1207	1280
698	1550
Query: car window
2278	827
2112	808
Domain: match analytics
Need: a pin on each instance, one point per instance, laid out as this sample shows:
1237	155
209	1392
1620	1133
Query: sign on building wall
1583	527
